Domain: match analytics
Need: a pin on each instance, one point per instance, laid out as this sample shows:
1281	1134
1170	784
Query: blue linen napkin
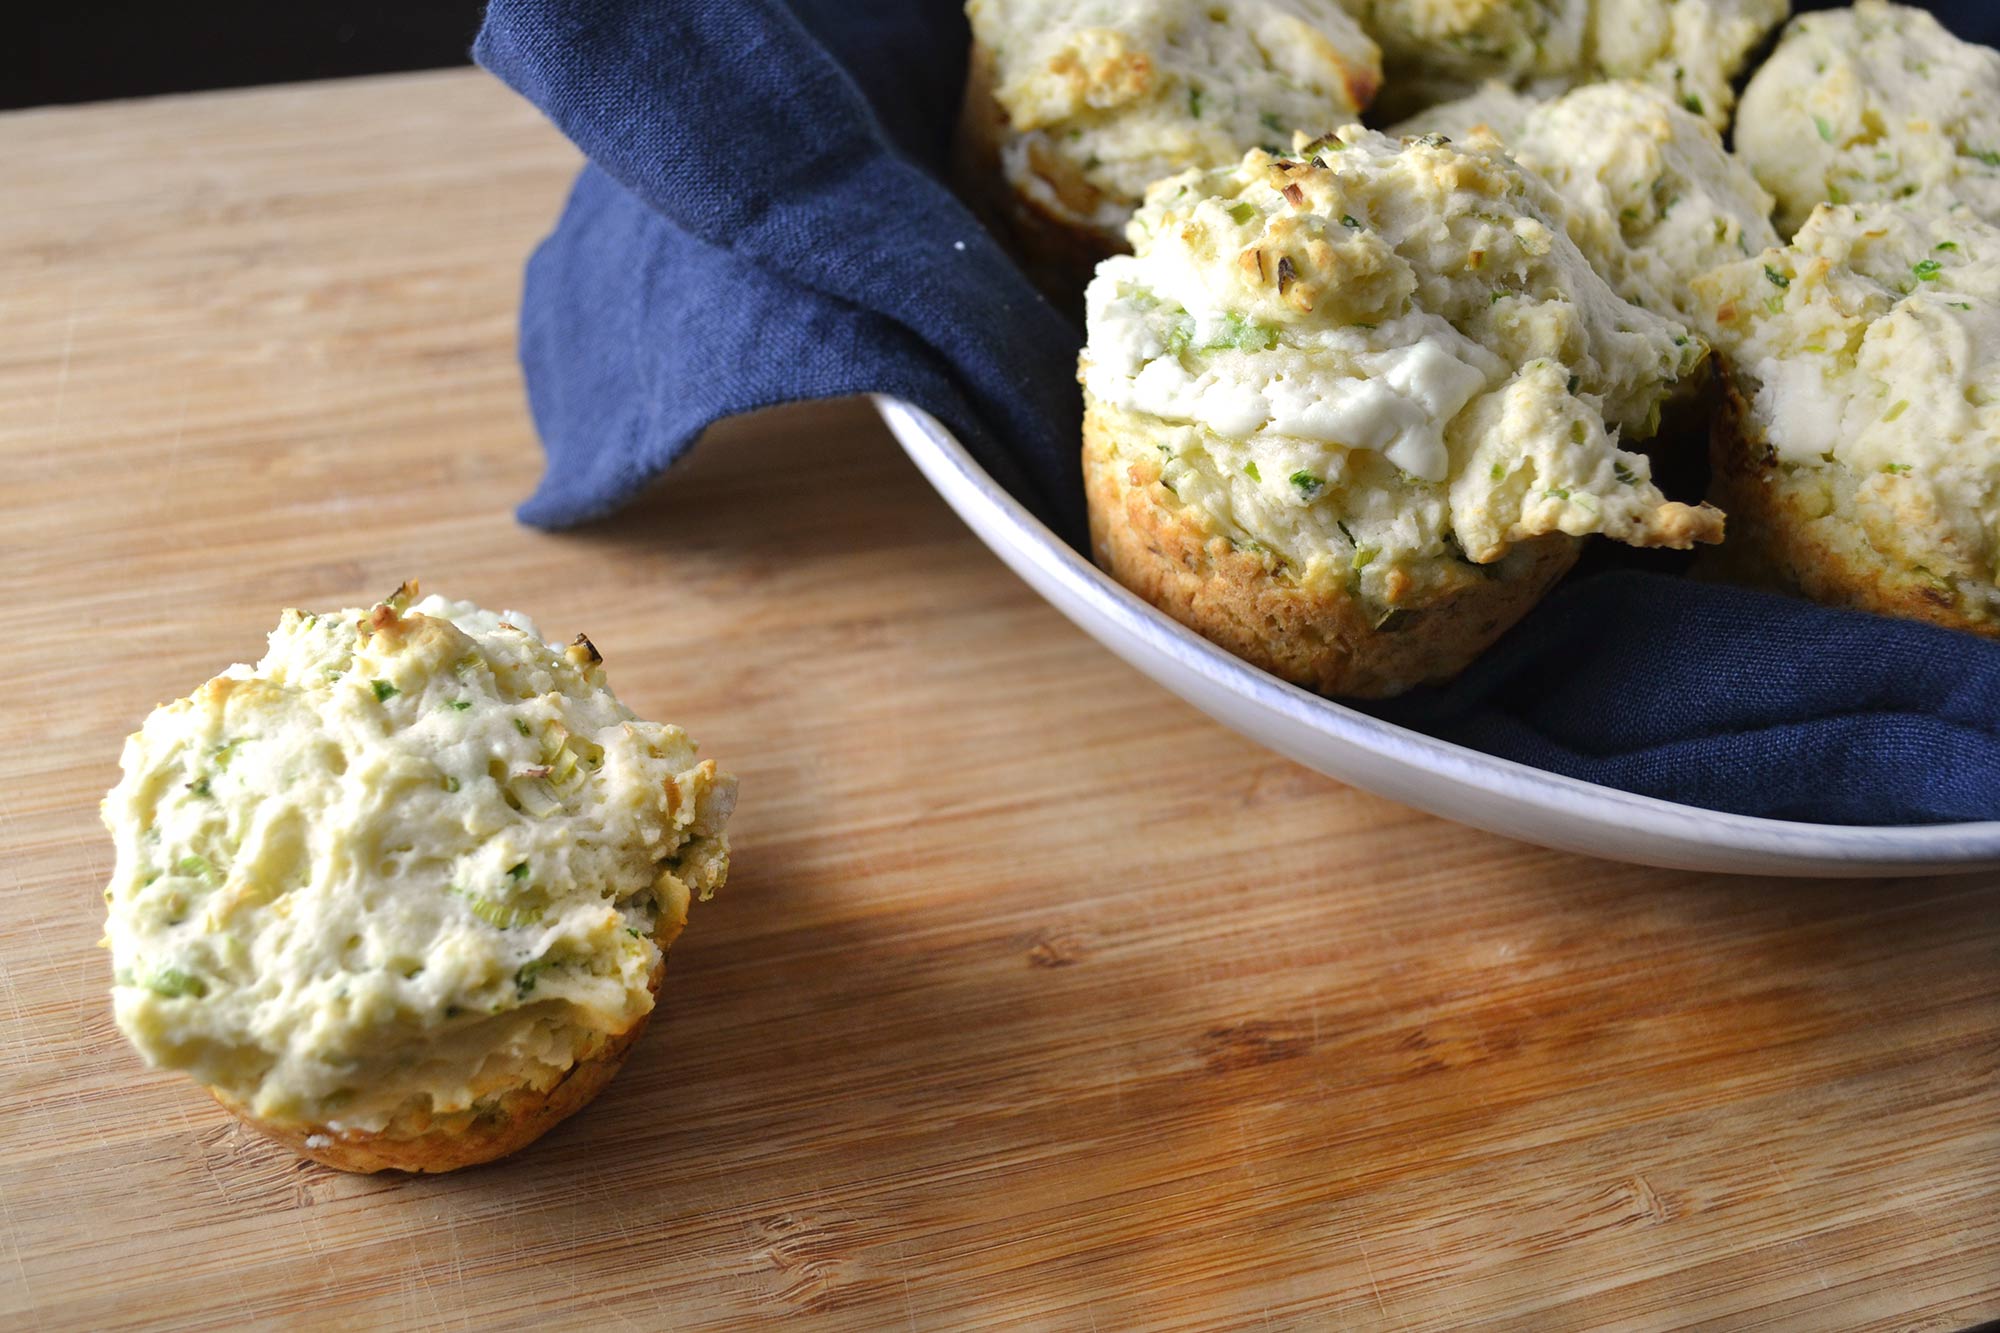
763	220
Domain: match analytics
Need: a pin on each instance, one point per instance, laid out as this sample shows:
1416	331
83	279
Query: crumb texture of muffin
1437	50
1368	373
1870	103
1860	456
1083	105
399	894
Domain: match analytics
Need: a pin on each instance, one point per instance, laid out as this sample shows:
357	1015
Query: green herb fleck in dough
1244	335
524	979
173	983
502	916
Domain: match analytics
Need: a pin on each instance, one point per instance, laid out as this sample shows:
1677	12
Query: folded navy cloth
1734	700
764	219
763	223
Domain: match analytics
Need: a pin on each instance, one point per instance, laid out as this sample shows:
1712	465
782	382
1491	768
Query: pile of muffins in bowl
1355	396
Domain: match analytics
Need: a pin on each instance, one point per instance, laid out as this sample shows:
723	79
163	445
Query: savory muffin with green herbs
400	894
1860	455
1073	109
1874	102
1348	412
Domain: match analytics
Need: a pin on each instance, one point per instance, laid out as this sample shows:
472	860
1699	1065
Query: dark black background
92	49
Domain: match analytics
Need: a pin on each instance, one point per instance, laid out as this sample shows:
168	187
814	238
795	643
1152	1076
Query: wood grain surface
1037	999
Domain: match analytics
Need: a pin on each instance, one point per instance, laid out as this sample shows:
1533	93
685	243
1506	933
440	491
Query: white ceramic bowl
1449	780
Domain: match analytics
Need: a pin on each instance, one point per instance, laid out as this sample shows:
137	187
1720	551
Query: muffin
1347	414
1860	454
400	894
1651	196
1690	49
1871	103
1072	110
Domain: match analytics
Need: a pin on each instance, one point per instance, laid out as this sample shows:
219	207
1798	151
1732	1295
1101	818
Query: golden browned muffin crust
419	1142
1324	636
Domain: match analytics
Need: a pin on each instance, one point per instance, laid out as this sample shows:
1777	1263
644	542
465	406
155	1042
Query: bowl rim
1911	845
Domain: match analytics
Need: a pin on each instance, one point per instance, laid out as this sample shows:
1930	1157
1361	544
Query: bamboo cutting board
1036	998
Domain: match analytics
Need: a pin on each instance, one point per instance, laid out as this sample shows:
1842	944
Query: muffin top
1385	349
1653	198
1869	350
412	858
1870	103
1439	49
1119	93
